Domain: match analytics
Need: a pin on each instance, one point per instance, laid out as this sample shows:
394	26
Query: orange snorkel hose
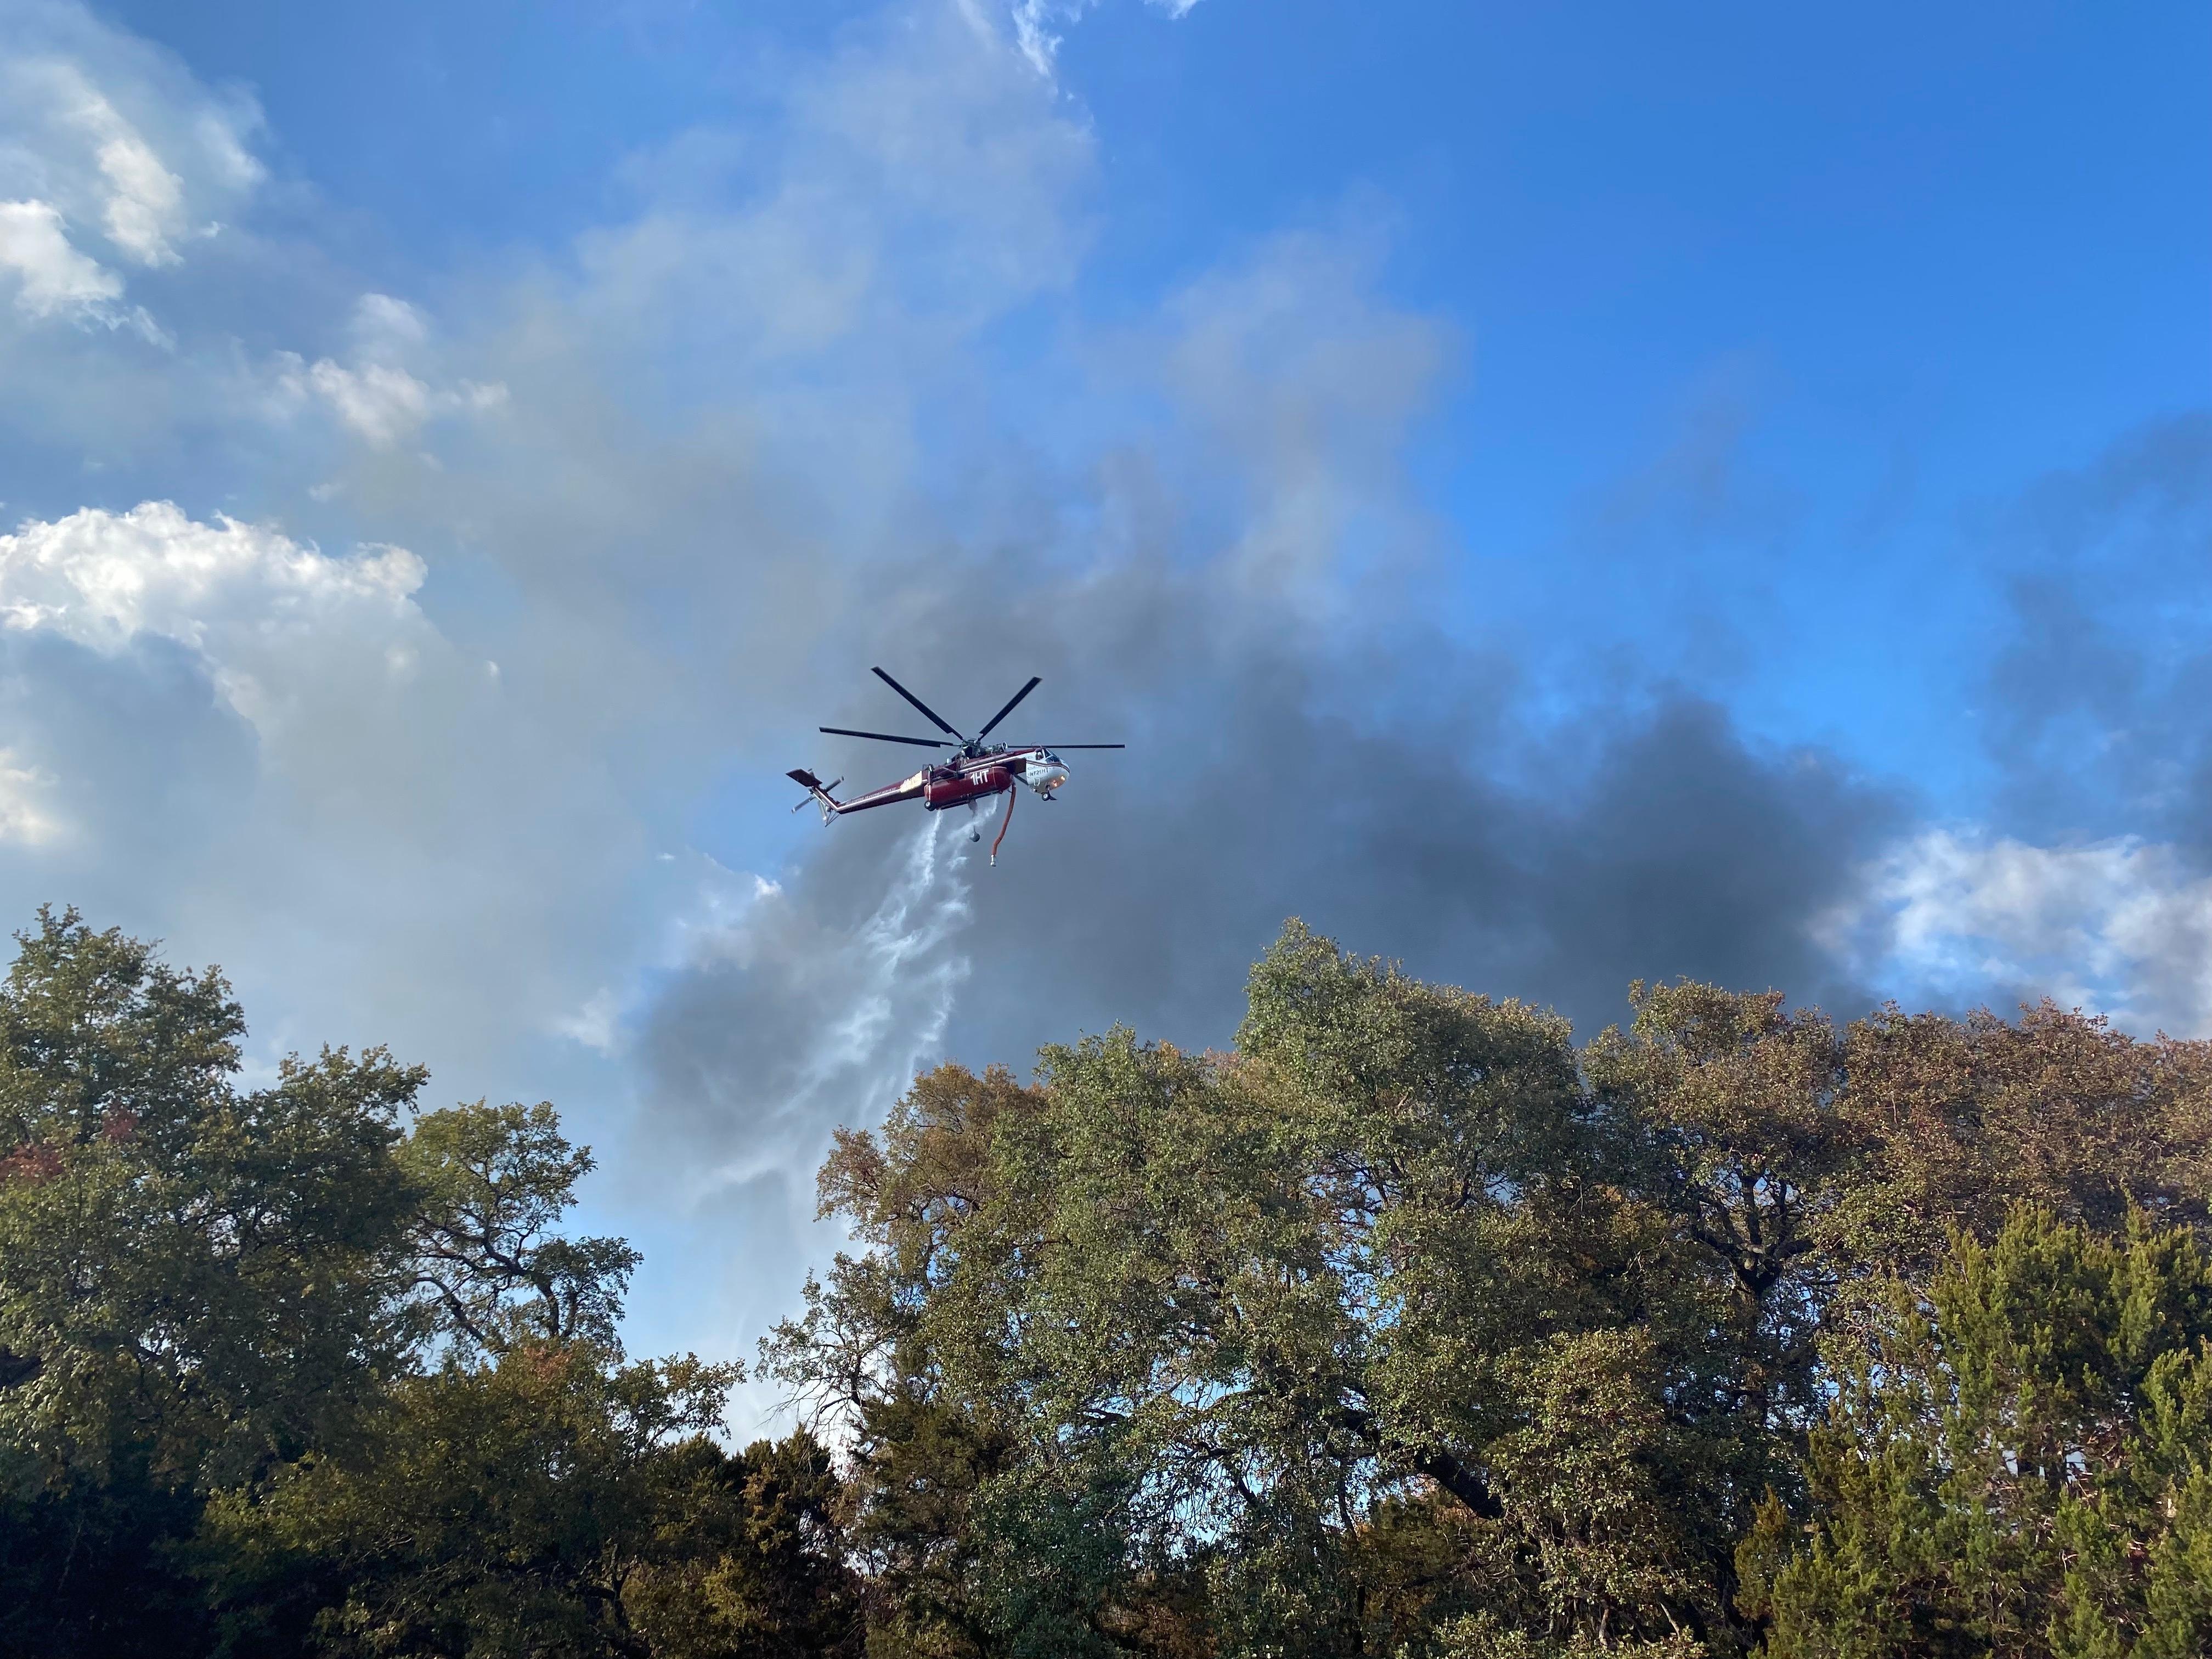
1004	822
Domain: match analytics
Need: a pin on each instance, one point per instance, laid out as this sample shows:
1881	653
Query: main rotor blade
935	719
1036	680
1082	745
882	736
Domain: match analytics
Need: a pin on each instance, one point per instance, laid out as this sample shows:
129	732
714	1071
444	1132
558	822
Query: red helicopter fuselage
951	783
973	772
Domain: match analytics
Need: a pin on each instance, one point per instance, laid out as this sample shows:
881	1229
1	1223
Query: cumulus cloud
113	153
266	614
224	734
337	792
2123	926
53	277
375	396
144	209
2090	878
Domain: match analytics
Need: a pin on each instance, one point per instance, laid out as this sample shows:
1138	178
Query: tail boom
904	789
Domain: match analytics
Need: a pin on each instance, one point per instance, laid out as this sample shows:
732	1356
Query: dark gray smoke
1395	792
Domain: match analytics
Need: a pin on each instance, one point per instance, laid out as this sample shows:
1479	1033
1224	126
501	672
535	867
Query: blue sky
1553	494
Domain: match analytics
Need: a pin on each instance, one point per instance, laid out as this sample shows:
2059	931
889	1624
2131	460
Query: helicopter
975	771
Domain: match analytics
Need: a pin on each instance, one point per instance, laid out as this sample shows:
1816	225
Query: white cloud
54	276
110	151
269	755
382	404
1035	20
597	1024
273	619
26	816
376	396
145	202
383	325
2121	926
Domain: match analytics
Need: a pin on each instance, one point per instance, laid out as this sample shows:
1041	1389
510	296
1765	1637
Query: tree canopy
306	1368
1405	1327
1408	1327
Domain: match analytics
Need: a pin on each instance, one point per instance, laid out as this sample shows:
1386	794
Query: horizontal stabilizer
817	791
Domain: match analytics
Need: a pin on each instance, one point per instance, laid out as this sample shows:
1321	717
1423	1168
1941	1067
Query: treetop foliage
1408	1327
1405	1327
307	1368
2016	1463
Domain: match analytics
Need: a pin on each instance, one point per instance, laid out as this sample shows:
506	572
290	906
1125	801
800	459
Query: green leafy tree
1224	1321
492	1183
1725	1107
194	1280
2019	1463
1404	1328
489	1509
747	1556
1963	1119
280	1376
